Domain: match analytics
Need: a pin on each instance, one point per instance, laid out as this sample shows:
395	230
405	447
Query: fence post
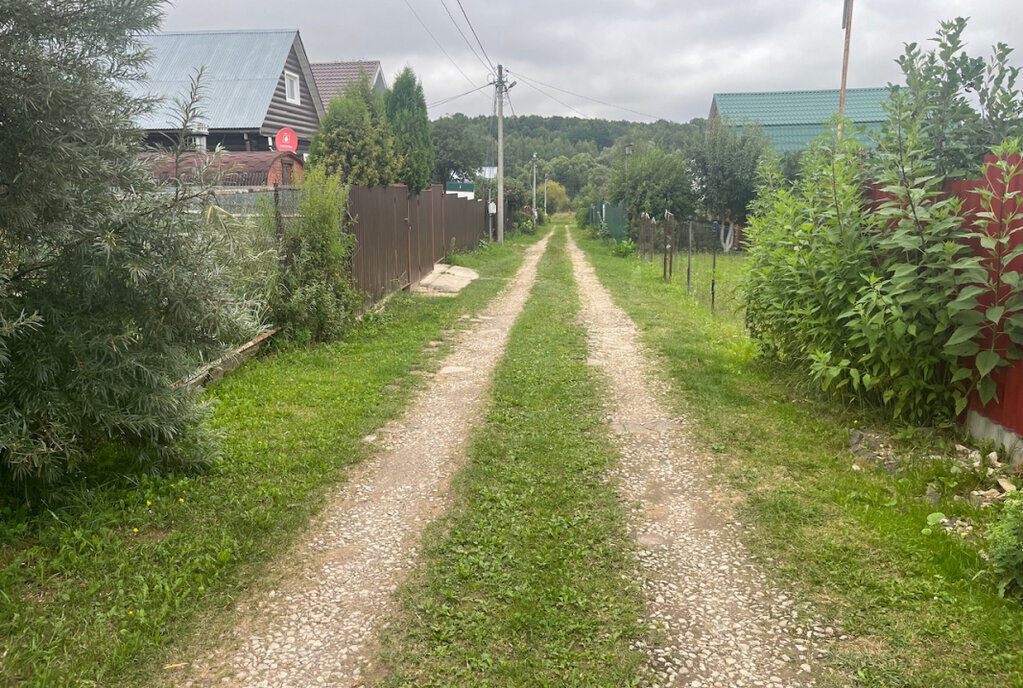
408	239
664	261
278	218
689	264
714	268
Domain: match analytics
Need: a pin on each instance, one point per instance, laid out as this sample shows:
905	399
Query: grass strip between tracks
530	581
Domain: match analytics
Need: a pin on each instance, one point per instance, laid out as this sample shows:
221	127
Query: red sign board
286	140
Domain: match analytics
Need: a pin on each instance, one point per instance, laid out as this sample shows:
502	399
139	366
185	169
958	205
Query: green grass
922	609
87	600
530	581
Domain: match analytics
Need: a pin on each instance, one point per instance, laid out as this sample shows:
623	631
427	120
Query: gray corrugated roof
242	69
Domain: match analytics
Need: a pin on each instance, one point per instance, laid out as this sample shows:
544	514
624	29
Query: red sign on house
286	140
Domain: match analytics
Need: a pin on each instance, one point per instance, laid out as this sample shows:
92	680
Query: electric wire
464	37
476	35
595	100
556	100
444	101
430	33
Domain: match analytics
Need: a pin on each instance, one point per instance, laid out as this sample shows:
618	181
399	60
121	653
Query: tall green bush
874	290
110	288
315	298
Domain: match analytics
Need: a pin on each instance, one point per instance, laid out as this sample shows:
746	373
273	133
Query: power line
559	102
443	101
595	100
430	33
489	61
462	34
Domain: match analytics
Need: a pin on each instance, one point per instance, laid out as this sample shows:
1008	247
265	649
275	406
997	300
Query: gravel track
720	624
319	626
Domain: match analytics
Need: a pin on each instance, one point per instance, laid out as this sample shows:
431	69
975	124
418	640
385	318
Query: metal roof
792	119
242	70
333	77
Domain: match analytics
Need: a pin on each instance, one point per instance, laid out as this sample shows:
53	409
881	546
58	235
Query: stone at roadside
932	495
984	498
1006	485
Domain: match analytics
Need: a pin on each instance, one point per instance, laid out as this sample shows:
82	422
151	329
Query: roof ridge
813	90
216	31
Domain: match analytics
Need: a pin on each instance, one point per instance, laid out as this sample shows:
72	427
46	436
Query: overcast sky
664	58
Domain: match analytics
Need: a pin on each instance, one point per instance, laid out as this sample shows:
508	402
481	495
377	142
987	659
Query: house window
291	91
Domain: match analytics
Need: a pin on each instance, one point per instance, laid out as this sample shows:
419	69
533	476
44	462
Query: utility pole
546	181
534	189
500	154
502	88
847	25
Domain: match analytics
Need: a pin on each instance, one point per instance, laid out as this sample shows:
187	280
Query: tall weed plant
315	299
864	273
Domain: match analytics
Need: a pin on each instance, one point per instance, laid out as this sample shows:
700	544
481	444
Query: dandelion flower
181	499
134	530
131	613
149	503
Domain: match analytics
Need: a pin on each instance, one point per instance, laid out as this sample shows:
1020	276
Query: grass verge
919	607
530	580
105	579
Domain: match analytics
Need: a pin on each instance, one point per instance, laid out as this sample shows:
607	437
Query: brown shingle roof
333	77
228	168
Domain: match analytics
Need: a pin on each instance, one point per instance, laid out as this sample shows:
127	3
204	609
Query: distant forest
575	152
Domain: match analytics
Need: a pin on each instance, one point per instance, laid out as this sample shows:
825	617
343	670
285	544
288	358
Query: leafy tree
110	287
355	140
655	182
725	161
459	148
557	199
413	146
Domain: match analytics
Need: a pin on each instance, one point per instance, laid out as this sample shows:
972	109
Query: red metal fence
1007	411
401	236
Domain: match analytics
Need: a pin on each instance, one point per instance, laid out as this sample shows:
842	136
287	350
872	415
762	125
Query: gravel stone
722	625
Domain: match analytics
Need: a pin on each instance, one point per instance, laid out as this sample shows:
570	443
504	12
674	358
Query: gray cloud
665	58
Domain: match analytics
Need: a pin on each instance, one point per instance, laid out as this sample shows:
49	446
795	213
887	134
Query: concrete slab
446	280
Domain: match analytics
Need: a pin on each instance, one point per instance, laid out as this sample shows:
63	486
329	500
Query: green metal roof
792	119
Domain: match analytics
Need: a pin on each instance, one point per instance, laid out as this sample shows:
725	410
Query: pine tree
406	111
355	140
109	290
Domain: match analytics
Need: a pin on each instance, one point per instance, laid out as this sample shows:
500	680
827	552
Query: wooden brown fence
401	236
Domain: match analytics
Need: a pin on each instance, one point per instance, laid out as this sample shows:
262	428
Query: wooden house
253	84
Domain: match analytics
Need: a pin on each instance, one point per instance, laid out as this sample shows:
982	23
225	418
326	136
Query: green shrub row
865	273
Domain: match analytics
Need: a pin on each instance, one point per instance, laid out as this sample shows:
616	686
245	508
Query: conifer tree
109	290
406	111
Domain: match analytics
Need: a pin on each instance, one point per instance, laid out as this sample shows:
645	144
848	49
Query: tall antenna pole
847	25
500	154
546	181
